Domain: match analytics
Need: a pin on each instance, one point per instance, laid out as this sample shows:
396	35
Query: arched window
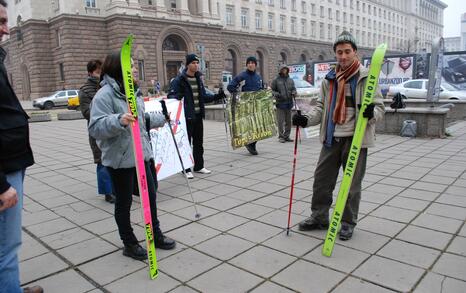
231	61
260	62
173	43
303	58
283	59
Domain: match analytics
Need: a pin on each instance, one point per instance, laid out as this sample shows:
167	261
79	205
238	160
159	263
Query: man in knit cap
337	111
188	85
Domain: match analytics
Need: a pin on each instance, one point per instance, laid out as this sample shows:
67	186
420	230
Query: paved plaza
411	235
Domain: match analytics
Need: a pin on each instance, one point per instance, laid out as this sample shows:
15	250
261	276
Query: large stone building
51	40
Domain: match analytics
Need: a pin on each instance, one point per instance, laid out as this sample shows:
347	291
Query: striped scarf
342	76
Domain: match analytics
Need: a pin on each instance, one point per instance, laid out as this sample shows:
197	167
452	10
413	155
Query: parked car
57	99
455	71
305	89
417	89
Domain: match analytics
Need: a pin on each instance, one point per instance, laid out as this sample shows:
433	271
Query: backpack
398	102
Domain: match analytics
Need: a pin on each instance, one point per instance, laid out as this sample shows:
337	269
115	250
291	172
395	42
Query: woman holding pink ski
109	123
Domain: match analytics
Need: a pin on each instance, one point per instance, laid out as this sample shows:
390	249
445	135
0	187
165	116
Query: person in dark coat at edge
15	157
188	85
284	91
86	94
247	81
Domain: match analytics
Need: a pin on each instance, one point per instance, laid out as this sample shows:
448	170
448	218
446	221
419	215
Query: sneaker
251	150
110	198
203	171
282	140
189	175
135	251
312	224
35	289
346	231
289	139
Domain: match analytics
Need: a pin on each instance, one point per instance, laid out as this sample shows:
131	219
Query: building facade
52	40
452	44
463	32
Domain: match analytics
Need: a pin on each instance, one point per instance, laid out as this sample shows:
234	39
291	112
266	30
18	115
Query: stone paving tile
192	234
278	218
57	201
357	285
298	277
269	287
447	211
434	283
389	273
225	278
66	238
425	237
82	217
380	226
262	261
69	281
419	194
458	246
438	223
30	219
438	179
394	214
169	222
456	190
86	250
267	187
255	231
294	243
223	221
183	289
409	253
223	203
451	265
187	264
30	248
173	205
246	195
408	203
189	213
224	247
111	267
452	200
51	227
343	259
395	181
141	283
250	211
40	266
275	202
223	189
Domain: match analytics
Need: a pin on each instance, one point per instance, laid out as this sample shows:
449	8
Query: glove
299	120
221	95
369	111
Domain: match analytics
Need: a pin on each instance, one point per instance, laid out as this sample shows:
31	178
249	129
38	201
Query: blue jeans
104	182
10	238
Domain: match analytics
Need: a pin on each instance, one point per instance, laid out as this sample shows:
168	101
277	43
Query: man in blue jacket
188	85
249	81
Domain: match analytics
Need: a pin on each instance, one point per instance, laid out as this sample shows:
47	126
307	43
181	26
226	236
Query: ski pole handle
164	110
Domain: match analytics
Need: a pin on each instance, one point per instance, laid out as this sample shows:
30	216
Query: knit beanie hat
345	37
251	59
190	58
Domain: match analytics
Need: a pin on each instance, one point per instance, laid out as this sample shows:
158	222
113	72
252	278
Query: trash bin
409	128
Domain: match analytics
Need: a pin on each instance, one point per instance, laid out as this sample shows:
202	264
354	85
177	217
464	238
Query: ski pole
167	117
292	175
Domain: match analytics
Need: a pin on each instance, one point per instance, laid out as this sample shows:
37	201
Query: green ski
125	56
369	91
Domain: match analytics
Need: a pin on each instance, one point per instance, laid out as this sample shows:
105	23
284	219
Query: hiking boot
135	251
289	139
110	198
282	140
35	289
311	224
164	242
252	150
346	231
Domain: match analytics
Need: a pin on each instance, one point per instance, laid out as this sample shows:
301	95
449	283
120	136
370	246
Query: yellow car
73	103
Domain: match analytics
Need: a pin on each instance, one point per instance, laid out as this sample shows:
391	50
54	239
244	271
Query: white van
226	78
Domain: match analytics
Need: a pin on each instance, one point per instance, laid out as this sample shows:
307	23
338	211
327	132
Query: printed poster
166	158
297	71
251	117
320	71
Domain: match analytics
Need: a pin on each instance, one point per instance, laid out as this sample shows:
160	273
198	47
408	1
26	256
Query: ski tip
154	275
326	251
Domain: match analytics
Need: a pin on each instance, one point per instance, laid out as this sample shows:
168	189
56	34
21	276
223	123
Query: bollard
409	128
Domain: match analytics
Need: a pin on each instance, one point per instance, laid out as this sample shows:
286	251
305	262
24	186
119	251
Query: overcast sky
452	17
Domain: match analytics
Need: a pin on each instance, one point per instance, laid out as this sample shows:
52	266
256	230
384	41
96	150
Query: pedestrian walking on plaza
337	111
247	81
109	126
86	94
15	157
188	85
284	91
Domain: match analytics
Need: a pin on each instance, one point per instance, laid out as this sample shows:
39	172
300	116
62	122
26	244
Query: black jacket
86	94
15	149
180	88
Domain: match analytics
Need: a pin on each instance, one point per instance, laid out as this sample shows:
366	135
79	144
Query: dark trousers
284	123
196	139
325	178
124	181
